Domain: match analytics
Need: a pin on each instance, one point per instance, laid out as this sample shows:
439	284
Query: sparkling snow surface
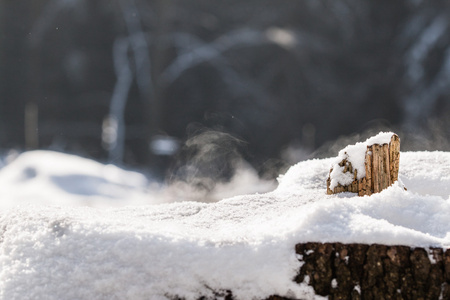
244	244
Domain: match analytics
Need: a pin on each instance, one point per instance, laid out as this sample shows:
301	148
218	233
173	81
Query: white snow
355	154
380	139
191	249
334	283
53	178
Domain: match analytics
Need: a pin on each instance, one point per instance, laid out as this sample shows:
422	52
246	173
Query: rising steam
211	166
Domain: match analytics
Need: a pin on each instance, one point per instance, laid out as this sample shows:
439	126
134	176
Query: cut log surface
380	169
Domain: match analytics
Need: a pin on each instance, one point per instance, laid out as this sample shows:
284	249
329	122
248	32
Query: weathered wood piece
381	164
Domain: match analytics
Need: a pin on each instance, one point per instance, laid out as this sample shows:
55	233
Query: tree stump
361	271
366	168
368	271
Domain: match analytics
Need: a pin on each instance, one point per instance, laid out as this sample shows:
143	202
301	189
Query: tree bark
359	271
381	166
369	272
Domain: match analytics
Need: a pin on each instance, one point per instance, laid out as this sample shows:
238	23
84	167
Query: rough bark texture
369	272
358	271
381	166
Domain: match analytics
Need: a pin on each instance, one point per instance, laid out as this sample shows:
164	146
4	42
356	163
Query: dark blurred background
177	86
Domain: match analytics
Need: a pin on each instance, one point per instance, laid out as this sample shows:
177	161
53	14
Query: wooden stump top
366	168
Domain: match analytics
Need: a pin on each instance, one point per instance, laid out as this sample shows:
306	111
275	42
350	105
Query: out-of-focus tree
125	79
425	41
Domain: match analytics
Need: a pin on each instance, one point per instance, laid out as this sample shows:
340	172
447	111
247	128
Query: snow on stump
366	168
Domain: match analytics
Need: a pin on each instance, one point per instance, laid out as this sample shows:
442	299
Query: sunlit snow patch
244	244
53	178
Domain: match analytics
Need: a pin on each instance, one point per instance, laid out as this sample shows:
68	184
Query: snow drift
190	249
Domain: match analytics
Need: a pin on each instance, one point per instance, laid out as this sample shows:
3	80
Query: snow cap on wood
366	168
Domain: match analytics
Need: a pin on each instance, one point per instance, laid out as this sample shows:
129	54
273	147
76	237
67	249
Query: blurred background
181	87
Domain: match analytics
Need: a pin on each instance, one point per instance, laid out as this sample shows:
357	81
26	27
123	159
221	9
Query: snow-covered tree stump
366	168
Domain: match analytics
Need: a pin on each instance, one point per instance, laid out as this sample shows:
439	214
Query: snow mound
244	244
53	178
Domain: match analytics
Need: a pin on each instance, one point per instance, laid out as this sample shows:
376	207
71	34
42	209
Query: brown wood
368	271
361	271
381	166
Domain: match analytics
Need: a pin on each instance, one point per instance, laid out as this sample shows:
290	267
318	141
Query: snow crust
355	154
191	249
